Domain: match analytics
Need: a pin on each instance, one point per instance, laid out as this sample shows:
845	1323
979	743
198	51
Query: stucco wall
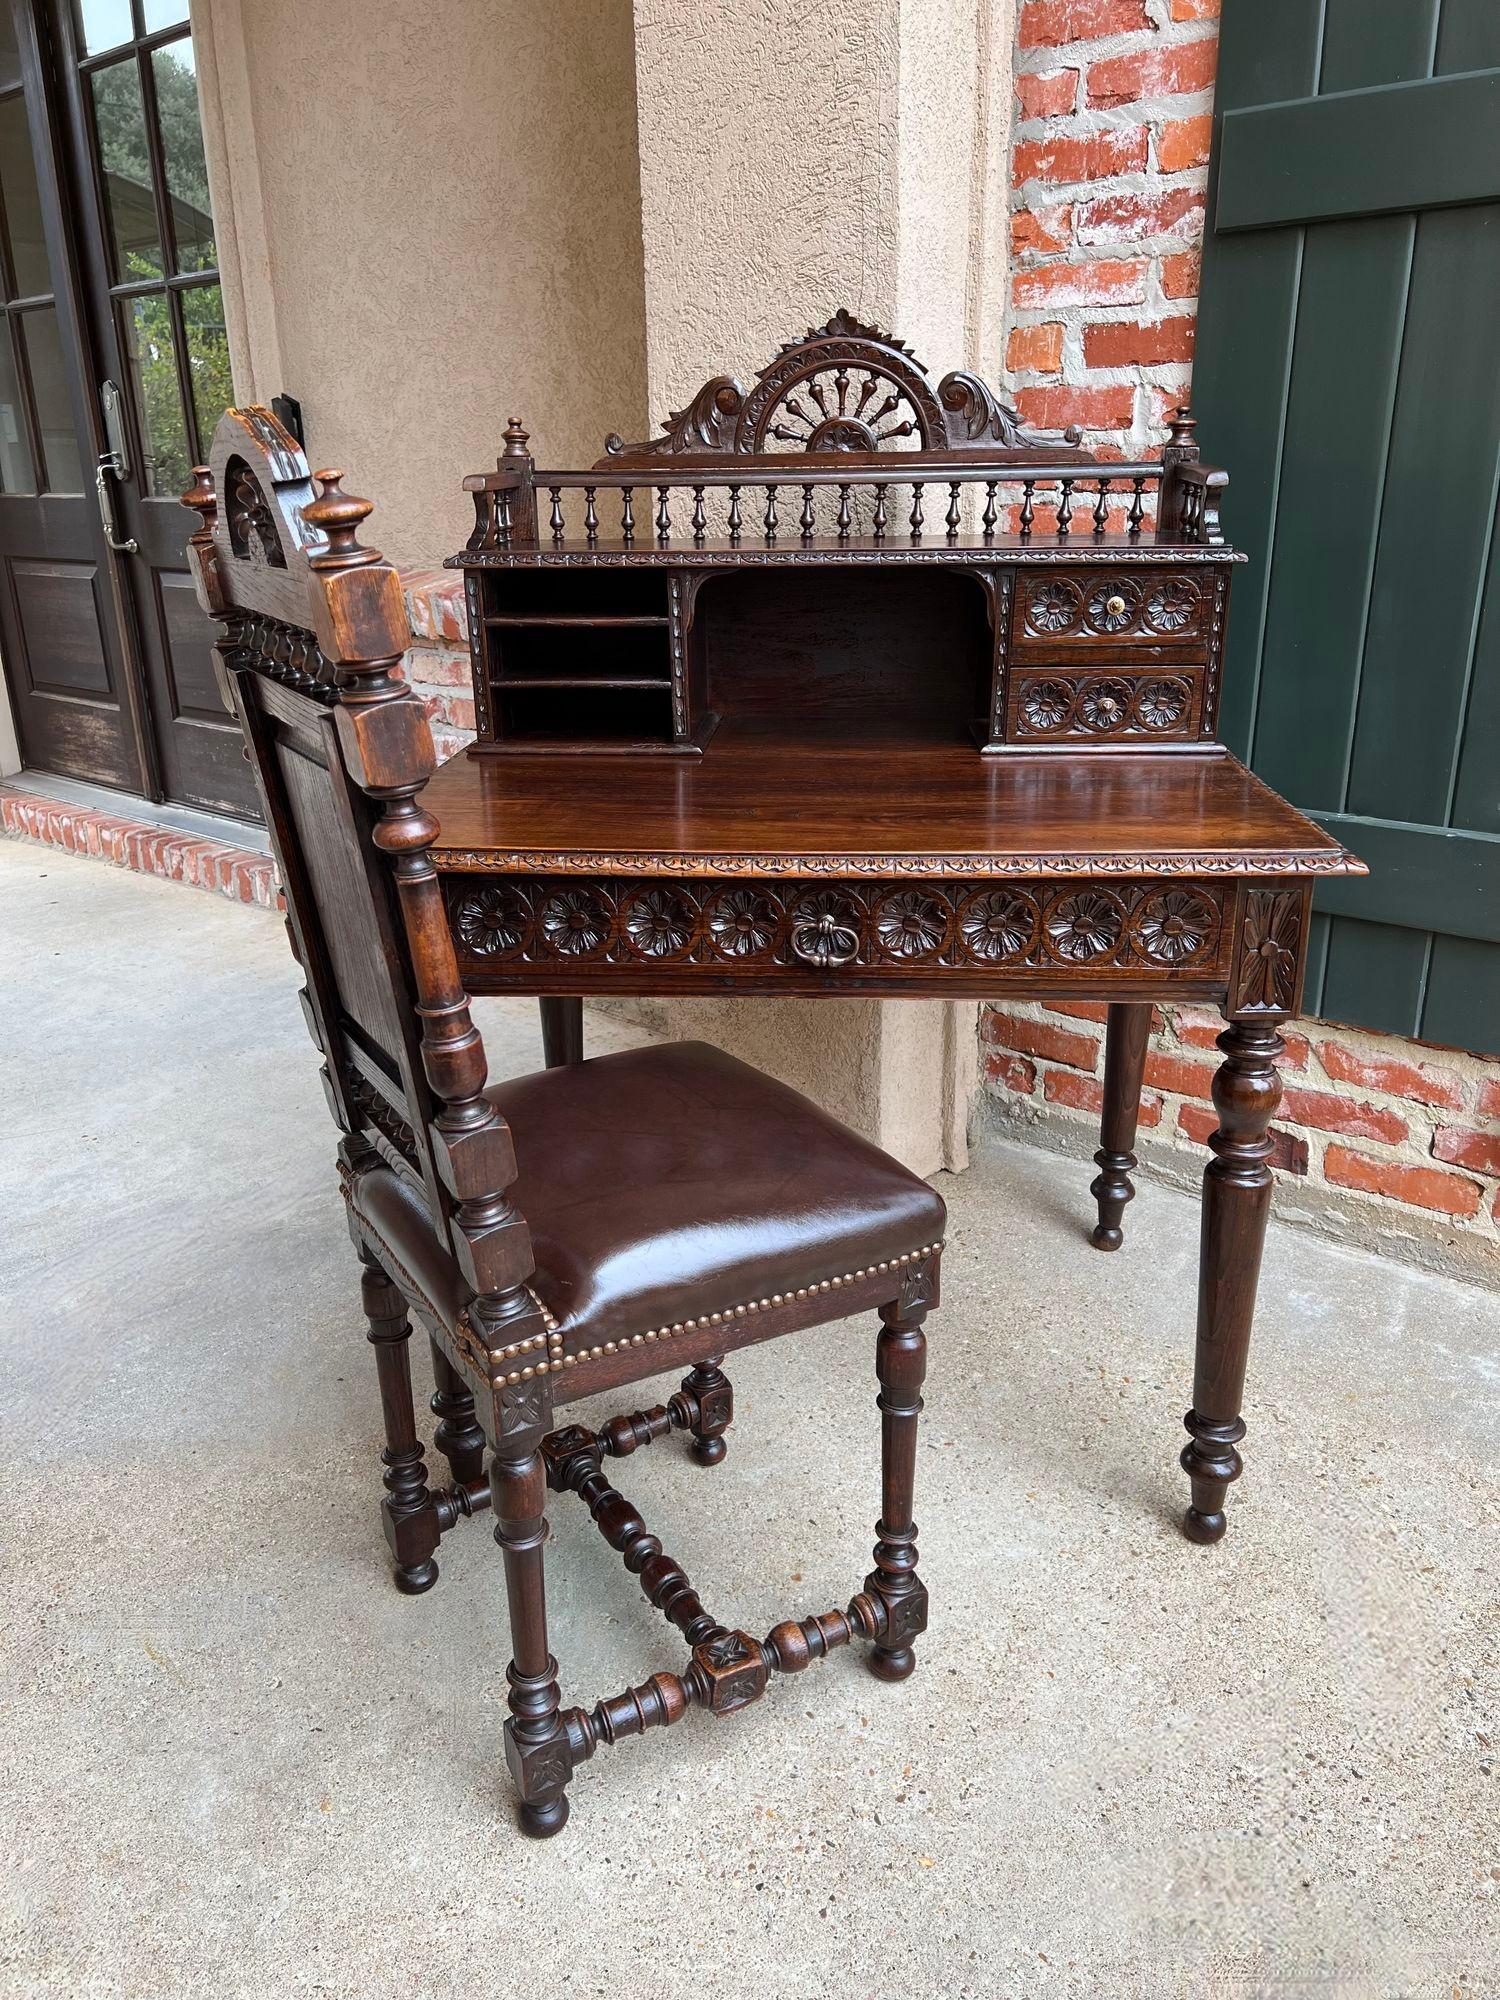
431	218
794	159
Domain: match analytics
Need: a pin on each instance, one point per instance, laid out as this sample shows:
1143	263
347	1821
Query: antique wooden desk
847	684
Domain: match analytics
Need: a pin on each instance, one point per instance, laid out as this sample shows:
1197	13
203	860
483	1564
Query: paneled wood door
64	619
1347	373
115	129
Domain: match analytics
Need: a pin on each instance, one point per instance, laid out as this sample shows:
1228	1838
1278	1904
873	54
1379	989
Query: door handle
114	463
107	465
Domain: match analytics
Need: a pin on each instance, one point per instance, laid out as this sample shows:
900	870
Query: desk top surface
757	805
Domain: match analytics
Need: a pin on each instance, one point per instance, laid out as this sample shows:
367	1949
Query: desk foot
1236	1203
1125	1041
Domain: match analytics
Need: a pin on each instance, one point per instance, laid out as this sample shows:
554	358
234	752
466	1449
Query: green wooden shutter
1348	375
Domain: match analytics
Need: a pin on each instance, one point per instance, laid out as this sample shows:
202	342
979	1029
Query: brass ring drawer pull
825	942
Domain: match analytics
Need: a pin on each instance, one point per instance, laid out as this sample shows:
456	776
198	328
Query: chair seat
670	1182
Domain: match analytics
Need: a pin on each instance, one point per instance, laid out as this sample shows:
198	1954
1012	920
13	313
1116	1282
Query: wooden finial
1182	431
200	496
337	515
516	440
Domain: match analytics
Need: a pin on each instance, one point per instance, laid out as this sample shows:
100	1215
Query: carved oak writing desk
850	685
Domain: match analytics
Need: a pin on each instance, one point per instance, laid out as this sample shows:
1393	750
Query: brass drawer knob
1115	606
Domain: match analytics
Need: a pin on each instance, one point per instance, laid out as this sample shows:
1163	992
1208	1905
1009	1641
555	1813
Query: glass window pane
176	78
164	14
23	207
153	377
104	24
63	469
208	358
126	165
10	55
15	456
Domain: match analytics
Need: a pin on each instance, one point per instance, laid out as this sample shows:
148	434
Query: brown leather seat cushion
674	1181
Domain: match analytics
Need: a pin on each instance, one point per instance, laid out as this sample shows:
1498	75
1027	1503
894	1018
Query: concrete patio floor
236	1762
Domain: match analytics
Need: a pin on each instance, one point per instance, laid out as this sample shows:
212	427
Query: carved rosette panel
1174	926
1268	951
1160	705
1167	610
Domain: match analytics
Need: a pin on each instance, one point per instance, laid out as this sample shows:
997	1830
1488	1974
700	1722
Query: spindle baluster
1028	505
1101	508
590	516
770	513
1065	508
557	513
700	518
1137	504
627	514
879	522
916	510
806	519
991	511
734	513
502	516
844	516
663	515
951	518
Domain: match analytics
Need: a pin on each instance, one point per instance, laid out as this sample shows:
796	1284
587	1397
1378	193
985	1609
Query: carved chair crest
843	387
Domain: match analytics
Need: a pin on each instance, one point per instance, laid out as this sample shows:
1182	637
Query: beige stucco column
795	158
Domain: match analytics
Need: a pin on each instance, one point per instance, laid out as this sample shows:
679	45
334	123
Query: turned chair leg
900	1364
712	1398
536	1743
1236	1204
1125	1041
458	1435
410	1522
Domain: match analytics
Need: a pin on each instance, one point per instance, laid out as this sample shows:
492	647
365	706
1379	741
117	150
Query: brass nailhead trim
716	1319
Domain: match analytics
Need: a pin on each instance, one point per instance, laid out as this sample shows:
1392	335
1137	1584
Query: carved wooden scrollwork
248	517
843	387
619	922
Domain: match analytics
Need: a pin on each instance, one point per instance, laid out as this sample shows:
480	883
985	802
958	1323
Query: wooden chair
566	1233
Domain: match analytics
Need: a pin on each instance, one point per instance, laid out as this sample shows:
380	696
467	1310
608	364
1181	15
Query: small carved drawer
605	933
1105	656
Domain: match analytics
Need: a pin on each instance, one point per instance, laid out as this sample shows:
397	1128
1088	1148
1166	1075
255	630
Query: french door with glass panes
110	98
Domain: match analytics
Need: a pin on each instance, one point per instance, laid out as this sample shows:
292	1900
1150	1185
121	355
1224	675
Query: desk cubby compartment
577	661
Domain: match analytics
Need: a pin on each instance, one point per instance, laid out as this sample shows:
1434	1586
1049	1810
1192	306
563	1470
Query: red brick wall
1113	104
1113	99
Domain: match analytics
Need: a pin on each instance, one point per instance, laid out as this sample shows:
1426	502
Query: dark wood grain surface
760	804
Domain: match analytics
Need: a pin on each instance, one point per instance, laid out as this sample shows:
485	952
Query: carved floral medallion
1173	605
742	922
999	923
1104	705
493	921
1175	925
911	924
1046	705
1162	704
575	921
1054	605
1270	941
1085	925
658	922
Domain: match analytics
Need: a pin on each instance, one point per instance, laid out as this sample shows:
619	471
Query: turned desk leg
1236	1201
1124	1065
562	1030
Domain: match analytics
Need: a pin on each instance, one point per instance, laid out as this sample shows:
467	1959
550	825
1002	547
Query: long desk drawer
622	934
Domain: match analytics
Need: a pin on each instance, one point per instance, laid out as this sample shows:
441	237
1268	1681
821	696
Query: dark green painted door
1348	375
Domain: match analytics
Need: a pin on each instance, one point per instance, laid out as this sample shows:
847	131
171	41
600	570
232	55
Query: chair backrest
314	630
